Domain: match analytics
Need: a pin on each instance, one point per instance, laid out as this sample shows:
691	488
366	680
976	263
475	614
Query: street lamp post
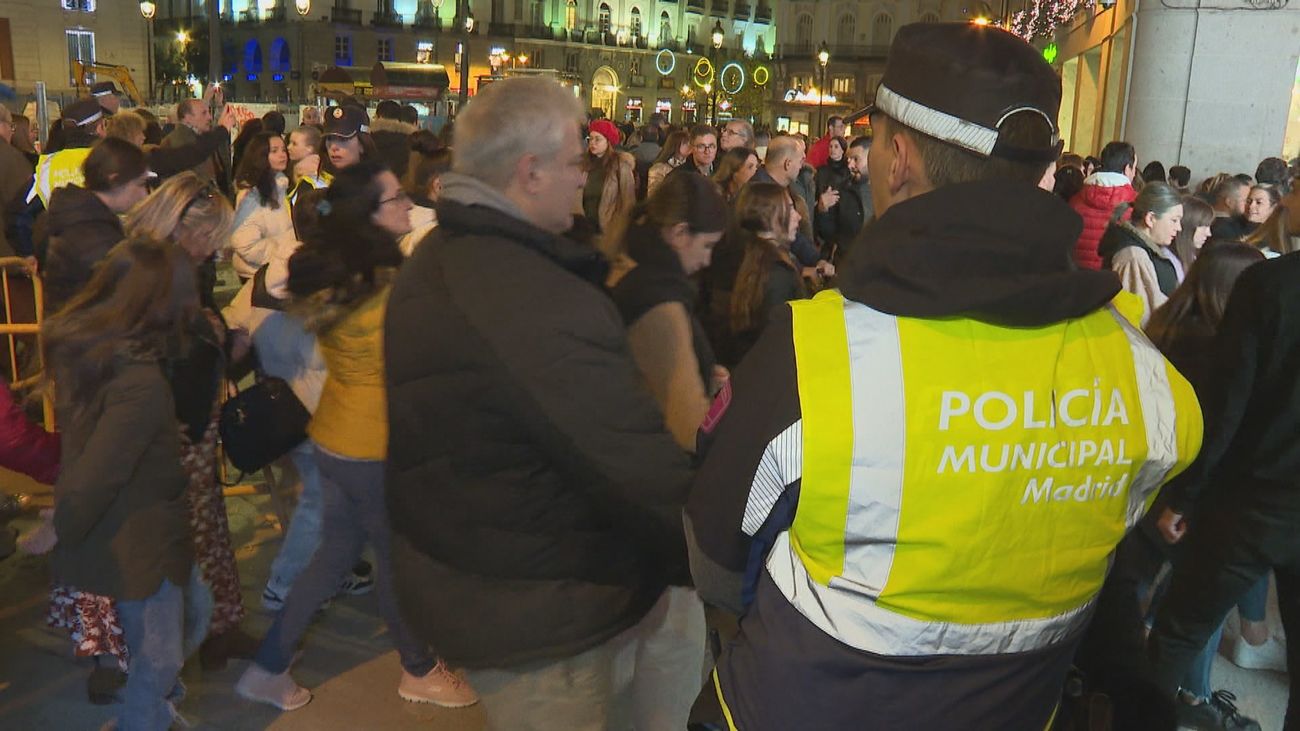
437	20
718	35
147	10
823	58
183	38
467	27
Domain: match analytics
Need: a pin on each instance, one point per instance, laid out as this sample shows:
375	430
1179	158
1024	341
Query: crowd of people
833	390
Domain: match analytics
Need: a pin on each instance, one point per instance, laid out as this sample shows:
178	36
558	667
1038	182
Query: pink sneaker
279	690
440	687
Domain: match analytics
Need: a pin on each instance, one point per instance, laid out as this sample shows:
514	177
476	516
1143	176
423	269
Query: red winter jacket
820	152
24	446
1096	203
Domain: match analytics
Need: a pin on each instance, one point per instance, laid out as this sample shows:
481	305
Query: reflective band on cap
937	124
91	119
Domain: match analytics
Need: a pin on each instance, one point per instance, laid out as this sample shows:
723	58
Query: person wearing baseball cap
914	485
80	127
105	92
347	138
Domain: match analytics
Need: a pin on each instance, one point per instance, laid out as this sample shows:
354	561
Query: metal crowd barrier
13	270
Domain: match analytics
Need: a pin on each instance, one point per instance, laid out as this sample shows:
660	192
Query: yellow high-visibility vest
56	170
964	484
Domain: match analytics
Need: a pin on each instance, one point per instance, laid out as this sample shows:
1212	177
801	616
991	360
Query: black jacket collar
476	220
998	252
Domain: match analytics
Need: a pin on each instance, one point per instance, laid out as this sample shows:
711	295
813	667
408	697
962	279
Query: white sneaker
1269	656
277	690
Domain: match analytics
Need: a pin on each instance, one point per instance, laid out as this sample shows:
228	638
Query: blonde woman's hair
125	125
188	211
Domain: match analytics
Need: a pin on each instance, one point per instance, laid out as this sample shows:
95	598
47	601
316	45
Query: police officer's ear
905	170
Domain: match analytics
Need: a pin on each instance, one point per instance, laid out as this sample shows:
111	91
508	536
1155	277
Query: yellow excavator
120	74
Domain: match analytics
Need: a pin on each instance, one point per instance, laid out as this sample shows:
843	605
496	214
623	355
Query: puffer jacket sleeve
256	234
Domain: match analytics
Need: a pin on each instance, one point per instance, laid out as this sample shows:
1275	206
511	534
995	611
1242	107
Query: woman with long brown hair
610	191
675	151
765	222
1197	217
263	223
119	508
735	167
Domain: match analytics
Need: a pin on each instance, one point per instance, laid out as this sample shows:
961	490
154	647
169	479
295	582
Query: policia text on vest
994	411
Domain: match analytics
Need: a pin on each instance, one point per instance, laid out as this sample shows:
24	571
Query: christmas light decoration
1044	17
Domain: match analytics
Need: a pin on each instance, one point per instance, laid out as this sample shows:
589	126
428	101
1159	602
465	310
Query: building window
384	49
280	55
253	57
635	24
571	14
571	62
635	67
930	18
842	86
803	31
342	50
81	6
424	51
665	28
847	29
882	30
81	47
603	18
519	10
539	14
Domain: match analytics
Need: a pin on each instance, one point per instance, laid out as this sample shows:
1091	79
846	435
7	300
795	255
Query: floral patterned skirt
91	619
210	526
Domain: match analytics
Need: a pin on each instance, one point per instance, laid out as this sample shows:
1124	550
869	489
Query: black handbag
262	423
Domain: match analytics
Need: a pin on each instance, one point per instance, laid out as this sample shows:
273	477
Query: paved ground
349	662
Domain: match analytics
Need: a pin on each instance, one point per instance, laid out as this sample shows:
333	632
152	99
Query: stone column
1211	86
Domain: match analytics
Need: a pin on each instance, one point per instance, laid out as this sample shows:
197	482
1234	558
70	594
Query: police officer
915	484
82	126
105	93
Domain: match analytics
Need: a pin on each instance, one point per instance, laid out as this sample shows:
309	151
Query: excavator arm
120	74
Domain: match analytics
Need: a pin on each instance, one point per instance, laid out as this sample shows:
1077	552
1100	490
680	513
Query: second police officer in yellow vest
921	477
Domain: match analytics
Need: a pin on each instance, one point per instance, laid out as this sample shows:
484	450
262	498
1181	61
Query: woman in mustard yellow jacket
339	280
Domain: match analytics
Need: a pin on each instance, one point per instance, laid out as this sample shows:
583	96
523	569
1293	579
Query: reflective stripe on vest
318	182
964	484
56	170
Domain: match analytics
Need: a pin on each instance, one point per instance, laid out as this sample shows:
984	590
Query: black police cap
960	82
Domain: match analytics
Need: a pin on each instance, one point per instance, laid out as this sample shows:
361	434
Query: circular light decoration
703	72
731	79
665	62
762	76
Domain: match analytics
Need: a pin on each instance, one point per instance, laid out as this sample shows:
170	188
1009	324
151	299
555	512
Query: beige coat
619	194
